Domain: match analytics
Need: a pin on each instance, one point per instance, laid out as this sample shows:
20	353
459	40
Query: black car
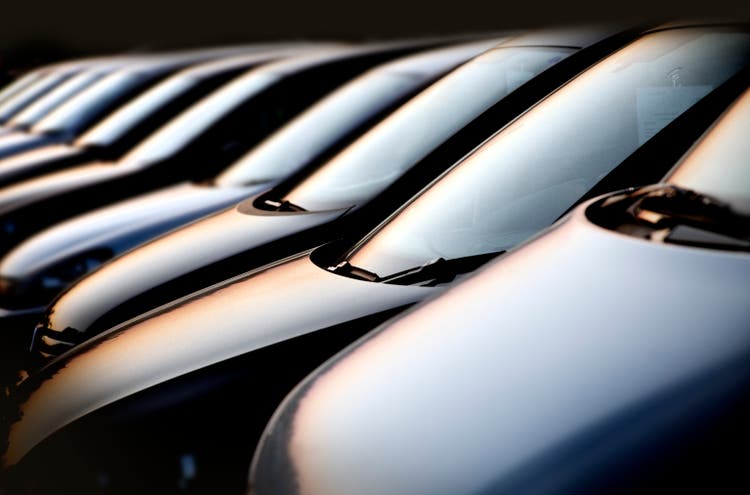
121	130
347	195
37	83
195	145
43	265
608	355
75	115
229	354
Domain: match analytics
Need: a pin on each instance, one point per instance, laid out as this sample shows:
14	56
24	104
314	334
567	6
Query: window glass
318	128
18	101
718	164
526	176
198	118
125	118
18	85
46	103
382	155
76	113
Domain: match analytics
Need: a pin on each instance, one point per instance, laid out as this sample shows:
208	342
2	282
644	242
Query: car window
718	164
43	105
525	177
24	97
18	85
76	113
312	132
119	122
199	117
376	160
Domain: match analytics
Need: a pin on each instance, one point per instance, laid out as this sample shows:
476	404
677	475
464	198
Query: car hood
199	244
16	142
255	310
29	191
23	164
507	379
120	226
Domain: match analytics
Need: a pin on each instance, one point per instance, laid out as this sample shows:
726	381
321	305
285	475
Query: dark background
36	32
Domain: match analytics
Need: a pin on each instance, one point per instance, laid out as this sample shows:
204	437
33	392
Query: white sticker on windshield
659	106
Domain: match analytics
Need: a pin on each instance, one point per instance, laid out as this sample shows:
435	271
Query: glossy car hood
489	379
249	312
199	244
16	142
26	162
29	191
120	226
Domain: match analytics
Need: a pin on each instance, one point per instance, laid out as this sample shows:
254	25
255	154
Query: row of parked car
503	263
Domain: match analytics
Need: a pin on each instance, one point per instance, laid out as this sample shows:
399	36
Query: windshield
19	84
46	103
124	119
198	118
76	113
15	103
382	155
718	164
525	177
315	130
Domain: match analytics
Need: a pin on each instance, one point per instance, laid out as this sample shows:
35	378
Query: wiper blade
283	205
347	269
694	236
439	271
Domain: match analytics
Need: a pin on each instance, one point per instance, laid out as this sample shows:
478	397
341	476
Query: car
607	355
258	334
42	106
70	118
18	84
39	83
121	130
36	84
416	143
196	144
47	262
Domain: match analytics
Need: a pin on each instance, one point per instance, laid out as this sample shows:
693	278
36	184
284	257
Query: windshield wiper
283	205
348	270
692	218
439	271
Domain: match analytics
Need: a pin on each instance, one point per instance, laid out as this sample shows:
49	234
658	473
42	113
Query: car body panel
17	142
115	226
154	358
237	232
77	309
519	359
37	161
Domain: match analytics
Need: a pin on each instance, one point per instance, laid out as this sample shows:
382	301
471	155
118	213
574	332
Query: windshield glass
124	119
718	164
382	155
312	132
18	85
76	113
15	103
198	118
529	174
46	103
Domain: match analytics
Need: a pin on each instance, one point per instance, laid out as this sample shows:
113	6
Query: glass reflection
725	148
76	113
374	162
534	170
